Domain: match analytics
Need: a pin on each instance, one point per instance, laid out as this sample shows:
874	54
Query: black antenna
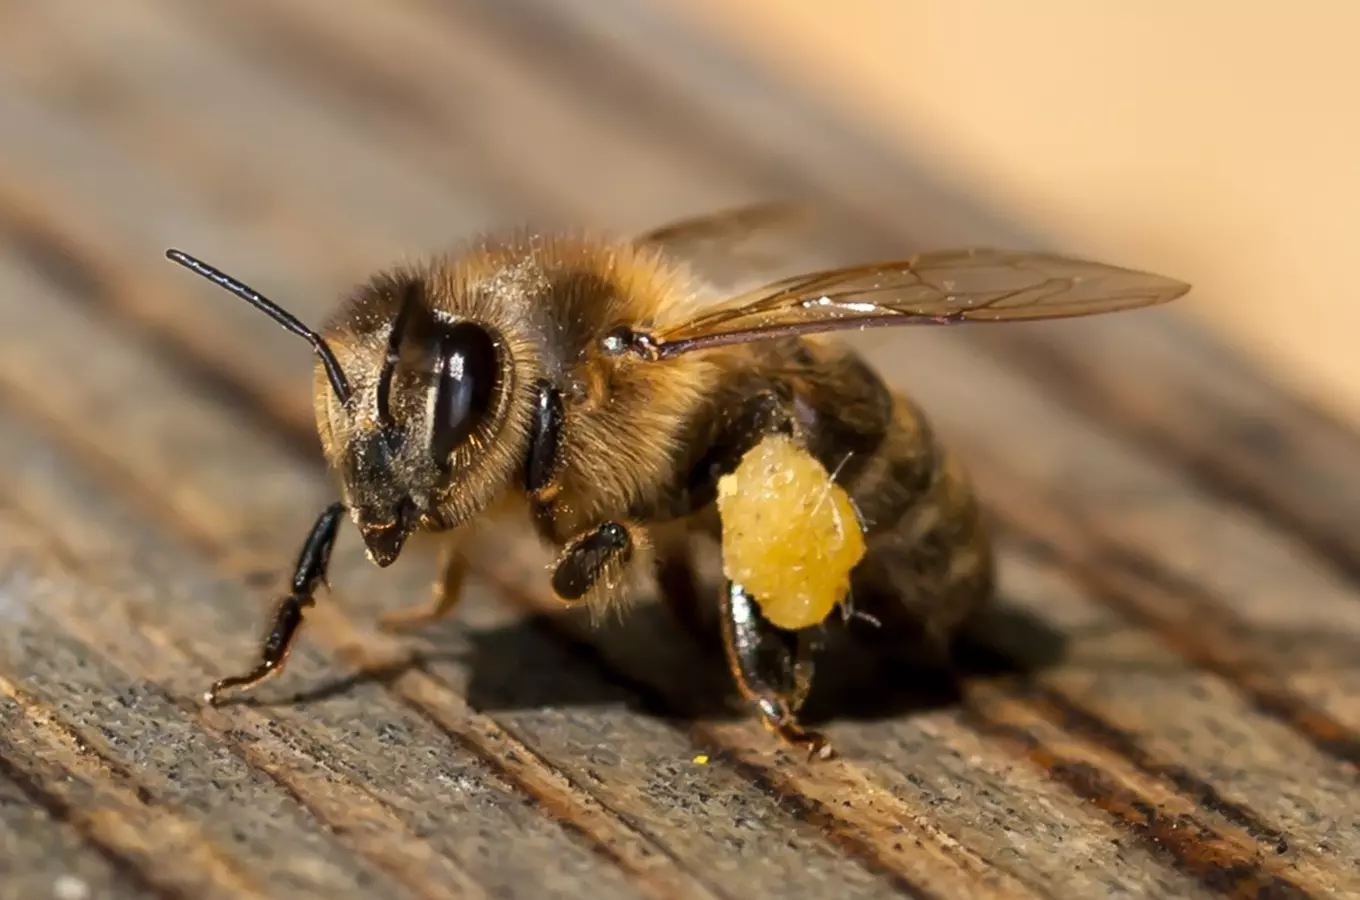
274	311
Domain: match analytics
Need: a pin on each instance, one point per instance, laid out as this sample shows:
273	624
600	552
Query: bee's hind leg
773	668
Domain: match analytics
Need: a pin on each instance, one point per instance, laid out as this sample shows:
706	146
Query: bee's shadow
856	679
645	662
536	663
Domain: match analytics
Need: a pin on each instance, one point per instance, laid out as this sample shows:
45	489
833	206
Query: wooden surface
1171	706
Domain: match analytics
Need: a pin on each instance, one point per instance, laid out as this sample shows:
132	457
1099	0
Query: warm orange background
1218	142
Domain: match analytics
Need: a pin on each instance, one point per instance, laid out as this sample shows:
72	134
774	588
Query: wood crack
126	823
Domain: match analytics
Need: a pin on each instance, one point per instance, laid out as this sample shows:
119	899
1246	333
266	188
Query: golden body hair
634	429
602	384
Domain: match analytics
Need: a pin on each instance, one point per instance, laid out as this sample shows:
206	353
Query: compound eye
468	369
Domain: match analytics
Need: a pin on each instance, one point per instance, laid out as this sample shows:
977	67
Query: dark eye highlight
468	369
394	345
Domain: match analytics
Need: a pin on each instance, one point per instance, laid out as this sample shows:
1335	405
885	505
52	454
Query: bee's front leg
312	563
446	592
773	668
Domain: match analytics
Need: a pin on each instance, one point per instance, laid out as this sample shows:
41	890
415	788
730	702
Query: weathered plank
162	441
211	506
244	350
60	856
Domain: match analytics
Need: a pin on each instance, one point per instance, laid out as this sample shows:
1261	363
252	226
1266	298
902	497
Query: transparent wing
738	247
940	288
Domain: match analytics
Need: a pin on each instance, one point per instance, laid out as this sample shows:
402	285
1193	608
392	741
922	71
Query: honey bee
604	388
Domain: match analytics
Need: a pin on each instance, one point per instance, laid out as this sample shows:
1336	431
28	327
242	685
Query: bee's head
412	404
415	443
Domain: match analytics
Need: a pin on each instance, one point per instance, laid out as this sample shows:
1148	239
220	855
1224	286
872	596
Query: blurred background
1217	141
1213	142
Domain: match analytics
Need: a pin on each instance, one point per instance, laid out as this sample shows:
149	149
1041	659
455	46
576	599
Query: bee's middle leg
773	668
678	588
593	566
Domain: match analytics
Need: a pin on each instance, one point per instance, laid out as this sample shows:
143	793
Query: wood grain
1176	568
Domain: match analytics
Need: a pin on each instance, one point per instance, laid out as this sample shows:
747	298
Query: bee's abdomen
928	562
929	555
